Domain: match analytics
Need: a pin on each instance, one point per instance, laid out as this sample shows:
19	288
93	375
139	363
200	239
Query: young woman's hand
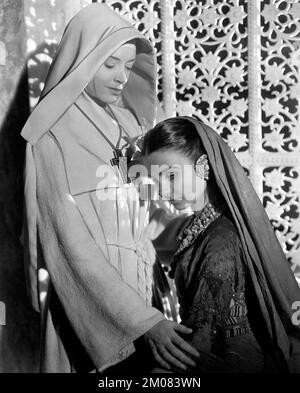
168	348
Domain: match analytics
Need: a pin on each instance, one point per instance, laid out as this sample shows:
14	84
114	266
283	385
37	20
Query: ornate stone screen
235	64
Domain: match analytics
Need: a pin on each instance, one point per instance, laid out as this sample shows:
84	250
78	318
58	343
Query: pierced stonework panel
280	95
280	63
281	187
211	66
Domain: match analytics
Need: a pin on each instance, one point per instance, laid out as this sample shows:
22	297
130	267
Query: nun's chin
111	99
104	99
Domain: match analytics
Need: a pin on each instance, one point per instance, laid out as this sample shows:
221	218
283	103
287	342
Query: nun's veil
273	282
89	39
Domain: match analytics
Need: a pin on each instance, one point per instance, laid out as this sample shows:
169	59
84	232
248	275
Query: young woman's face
175	175
109	81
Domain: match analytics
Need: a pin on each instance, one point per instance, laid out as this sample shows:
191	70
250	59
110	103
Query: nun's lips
115	90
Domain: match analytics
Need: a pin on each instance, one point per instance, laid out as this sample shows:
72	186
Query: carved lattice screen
233	63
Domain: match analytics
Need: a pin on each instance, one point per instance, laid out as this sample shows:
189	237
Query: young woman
84	224
234	285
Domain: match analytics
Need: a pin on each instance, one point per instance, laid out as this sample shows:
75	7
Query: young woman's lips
178	204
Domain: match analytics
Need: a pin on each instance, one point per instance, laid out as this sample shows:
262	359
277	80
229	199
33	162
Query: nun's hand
168	348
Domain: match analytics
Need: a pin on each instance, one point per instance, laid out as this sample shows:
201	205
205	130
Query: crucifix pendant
121	162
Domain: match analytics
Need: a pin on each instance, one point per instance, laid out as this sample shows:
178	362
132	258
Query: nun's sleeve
164	228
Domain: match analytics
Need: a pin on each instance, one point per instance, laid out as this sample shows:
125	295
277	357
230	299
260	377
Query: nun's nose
122	75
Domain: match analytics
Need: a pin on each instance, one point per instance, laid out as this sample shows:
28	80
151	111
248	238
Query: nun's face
175	175
111	78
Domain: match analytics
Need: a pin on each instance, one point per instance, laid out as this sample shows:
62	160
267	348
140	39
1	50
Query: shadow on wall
20	334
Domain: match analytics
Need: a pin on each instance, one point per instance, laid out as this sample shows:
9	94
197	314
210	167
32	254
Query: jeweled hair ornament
202	167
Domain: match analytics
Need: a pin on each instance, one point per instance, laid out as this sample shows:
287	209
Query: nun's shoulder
47	145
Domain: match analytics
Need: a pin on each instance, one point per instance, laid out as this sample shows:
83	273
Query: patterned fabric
210	279
198	224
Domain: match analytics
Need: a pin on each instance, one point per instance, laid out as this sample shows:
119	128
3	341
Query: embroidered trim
197	225
237	331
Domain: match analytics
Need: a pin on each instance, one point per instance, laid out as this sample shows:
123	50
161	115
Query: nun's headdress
88	40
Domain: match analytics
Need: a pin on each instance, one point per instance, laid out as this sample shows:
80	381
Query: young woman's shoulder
219	250
220	233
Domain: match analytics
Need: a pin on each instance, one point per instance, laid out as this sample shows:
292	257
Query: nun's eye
109	64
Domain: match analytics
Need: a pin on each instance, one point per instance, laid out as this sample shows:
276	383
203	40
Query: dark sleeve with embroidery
217	275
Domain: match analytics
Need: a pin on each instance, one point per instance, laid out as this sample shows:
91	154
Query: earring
202	167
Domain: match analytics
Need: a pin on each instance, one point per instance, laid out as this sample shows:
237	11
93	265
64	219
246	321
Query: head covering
89	39
273	282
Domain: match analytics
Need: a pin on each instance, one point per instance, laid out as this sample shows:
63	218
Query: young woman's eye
171	176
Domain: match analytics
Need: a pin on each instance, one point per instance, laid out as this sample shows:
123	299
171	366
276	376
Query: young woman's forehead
171	158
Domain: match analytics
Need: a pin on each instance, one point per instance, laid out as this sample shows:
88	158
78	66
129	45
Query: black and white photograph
150	191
